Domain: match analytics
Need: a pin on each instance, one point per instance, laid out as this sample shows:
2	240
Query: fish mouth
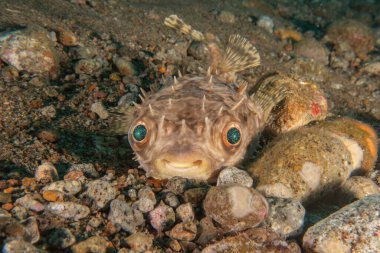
191	166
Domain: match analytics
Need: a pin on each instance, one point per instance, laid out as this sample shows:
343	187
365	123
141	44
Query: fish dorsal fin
239	55
173	21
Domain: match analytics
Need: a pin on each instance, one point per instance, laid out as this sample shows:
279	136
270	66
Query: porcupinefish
201	122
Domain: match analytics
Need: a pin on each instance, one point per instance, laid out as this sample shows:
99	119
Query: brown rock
183	231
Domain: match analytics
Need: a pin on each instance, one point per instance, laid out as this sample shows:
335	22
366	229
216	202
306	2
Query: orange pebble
73	175
53	196
284	34
162	70
9	190
91	87
7	206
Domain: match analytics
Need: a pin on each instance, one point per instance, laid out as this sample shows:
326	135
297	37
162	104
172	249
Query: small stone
253	240
93	244
147	199
48	136
235	207
30	50
4	213
177	185
37	81
88	66
53	196
226	17
10	74
122	215
195	195
61	238
83	52
5	198
67	187
183	231
51	91
100	110
32	231
312	48
68	210
185	212
95	222
125	66
208	231
140	242
19	246
233	175
198	50
372	68
49	111
175	245
46	172
171	199
162	217
286	216
67	37
30	203
87	168
353	228
100	192
74	175
12	229
357	187
19	212
266	23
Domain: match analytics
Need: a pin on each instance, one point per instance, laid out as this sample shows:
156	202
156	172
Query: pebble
286	216
19	212
93	244
235	207
51	91
183	231
122	215
266	22
37	81
19	246
177	185
31	227
67	37
253	240
87	168
357	187
53	196
80	52
349	34
140	242
30	50
312	48
4	213
171	199
147	199
12	229
195	195
46	173
5	198
30	203
100	110
226	17
68	210
49	111
100	192
88	66
372	68
233	175
71	187
125	66
354	228
185	212
198	50
61	238
162	217
48	136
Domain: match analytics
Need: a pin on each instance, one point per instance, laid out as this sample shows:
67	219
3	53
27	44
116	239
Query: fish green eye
139	132
233	136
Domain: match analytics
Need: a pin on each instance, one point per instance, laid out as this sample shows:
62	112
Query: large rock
354	228
30	50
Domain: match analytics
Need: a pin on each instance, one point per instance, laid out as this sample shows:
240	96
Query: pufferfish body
201	122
